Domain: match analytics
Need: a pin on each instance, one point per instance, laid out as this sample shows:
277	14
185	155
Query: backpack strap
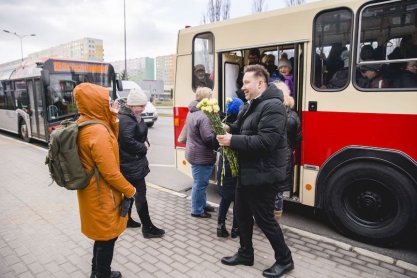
89	122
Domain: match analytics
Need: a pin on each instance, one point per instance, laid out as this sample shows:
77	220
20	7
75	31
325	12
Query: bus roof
230	30
34	67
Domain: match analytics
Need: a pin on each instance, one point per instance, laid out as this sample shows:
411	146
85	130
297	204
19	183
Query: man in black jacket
259	137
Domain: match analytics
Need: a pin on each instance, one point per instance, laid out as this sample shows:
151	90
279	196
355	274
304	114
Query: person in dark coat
293	139
341	77
133	147
259	137
226	183
372	73
407	77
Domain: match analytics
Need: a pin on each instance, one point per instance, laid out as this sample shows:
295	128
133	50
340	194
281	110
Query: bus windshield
60	102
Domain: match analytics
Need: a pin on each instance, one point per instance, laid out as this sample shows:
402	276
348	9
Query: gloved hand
124	206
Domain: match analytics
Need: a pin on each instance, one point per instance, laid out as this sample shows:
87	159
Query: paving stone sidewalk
40	236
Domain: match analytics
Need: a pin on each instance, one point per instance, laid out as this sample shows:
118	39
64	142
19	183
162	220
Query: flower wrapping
211	108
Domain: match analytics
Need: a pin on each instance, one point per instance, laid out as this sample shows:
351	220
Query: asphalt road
161	157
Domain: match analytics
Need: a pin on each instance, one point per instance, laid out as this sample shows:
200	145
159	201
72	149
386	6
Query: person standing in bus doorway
199	153
226	183
293	140
259	137
99	205
134	145
285	68
254	58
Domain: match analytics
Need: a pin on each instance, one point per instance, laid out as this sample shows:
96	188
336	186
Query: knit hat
284	63
136	97
234	106
371	67
199	67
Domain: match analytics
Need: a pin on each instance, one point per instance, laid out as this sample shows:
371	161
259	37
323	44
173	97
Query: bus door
37	114
231	63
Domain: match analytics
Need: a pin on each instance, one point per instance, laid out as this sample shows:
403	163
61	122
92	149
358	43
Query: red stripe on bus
180	114
324	133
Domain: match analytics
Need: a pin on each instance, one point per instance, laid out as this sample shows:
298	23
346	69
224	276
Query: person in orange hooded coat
99	205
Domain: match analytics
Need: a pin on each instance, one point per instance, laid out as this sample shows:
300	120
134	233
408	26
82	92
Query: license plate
147	120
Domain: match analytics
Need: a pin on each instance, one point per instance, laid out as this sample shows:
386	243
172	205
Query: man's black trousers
258	202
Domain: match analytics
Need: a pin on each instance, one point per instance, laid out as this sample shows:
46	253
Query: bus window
9	96
332	36
21	95
203	61
388	34
2	97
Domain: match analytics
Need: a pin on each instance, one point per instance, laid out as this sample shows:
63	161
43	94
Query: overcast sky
152	25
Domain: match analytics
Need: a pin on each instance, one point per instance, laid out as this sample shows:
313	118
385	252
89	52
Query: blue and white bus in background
35	97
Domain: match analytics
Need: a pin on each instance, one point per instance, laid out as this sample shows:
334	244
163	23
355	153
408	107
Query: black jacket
132	136
407	79
260	138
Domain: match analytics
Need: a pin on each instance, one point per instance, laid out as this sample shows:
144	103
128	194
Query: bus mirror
45	77
119	85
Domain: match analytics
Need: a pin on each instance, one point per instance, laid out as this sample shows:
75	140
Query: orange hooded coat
100	206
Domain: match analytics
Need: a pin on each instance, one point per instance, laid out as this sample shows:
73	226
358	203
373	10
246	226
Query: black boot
243	257
234	232
132	223
152	231
277	269
221	228
113	274
149	230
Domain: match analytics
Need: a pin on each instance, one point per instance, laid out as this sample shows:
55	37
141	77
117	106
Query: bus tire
23	131
371	201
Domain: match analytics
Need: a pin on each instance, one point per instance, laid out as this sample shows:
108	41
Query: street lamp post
124	20
21	39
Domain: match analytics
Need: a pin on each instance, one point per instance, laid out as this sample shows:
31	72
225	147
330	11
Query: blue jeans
201	175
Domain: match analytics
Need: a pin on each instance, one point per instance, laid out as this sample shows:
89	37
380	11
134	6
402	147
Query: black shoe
203	215
234	232
238	259
209	208
221	230
277	270
113	274
152	232
132	223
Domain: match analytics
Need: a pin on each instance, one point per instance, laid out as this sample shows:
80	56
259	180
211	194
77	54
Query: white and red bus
357	158
36	96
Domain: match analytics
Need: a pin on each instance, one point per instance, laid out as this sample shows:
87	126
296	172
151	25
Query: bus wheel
371	201
23	130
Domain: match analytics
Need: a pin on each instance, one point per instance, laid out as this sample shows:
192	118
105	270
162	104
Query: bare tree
216	10
226	9
295	2
258	6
